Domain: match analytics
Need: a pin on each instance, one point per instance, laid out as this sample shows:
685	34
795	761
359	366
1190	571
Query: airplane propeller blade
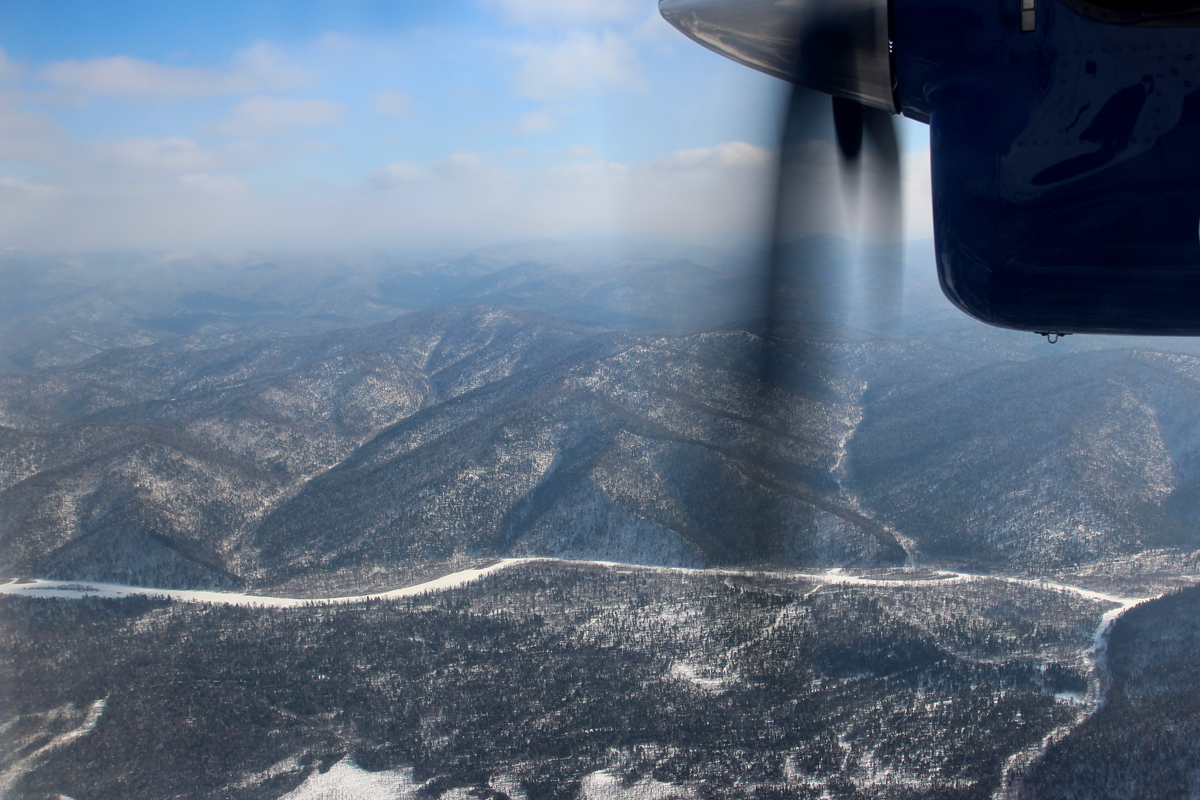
787	290
848	126
874	194
837	49
883	267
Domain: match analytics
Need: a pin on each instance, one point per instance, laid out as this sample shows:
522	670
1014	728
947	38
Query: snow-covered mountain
250	450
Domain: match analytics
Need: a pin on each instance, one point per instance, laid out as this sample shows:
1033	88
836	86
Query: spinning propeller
839	48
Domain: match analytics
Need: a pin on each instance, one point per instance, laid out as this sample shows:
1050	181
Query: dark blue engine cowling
1066	161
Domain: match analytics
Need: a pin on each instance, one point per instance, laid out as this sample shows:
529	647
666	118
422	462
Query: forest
544	676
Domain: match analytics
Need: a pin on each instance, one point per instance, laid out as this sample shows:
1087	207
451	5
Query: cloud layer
717	194
261	66
562	118
568	12
277	116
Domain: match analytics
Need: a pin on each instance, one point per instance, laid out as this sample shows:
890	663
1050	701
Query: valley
529	522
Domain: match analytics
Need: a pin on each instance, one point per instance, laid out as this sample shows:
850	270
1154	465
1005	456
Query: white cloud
392	104
702	194
554	12
654	28
396	174
472	168
728	154
457	170
578	151
175	154
213	184
597	173
29	136
277	116
9	71
706	194
462	197
21	185
533	122
179	198
270	66
582	63
261	66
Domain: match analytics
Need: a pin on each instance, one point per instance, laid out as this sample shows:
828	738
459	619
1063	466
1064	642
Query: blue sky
271	125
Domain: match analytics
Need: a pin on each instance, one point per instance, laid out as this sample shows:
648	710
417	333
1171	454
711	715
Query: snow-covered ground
10	776
603	785
345	780
1019	763
698	676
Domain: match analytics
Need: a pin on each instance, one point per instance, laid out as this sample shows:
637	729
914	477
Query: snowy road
79	589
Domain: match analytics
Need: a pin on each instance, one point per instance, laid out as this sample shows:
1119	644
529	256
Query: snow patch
603	785
690	673
345	780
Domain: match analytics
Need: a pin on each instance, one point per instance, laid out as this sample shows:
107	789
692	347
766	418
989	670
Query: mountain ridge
254	453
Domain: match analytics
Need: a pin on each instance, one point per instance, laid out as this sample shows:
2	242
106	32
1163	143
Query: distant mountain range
209	424
60	311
